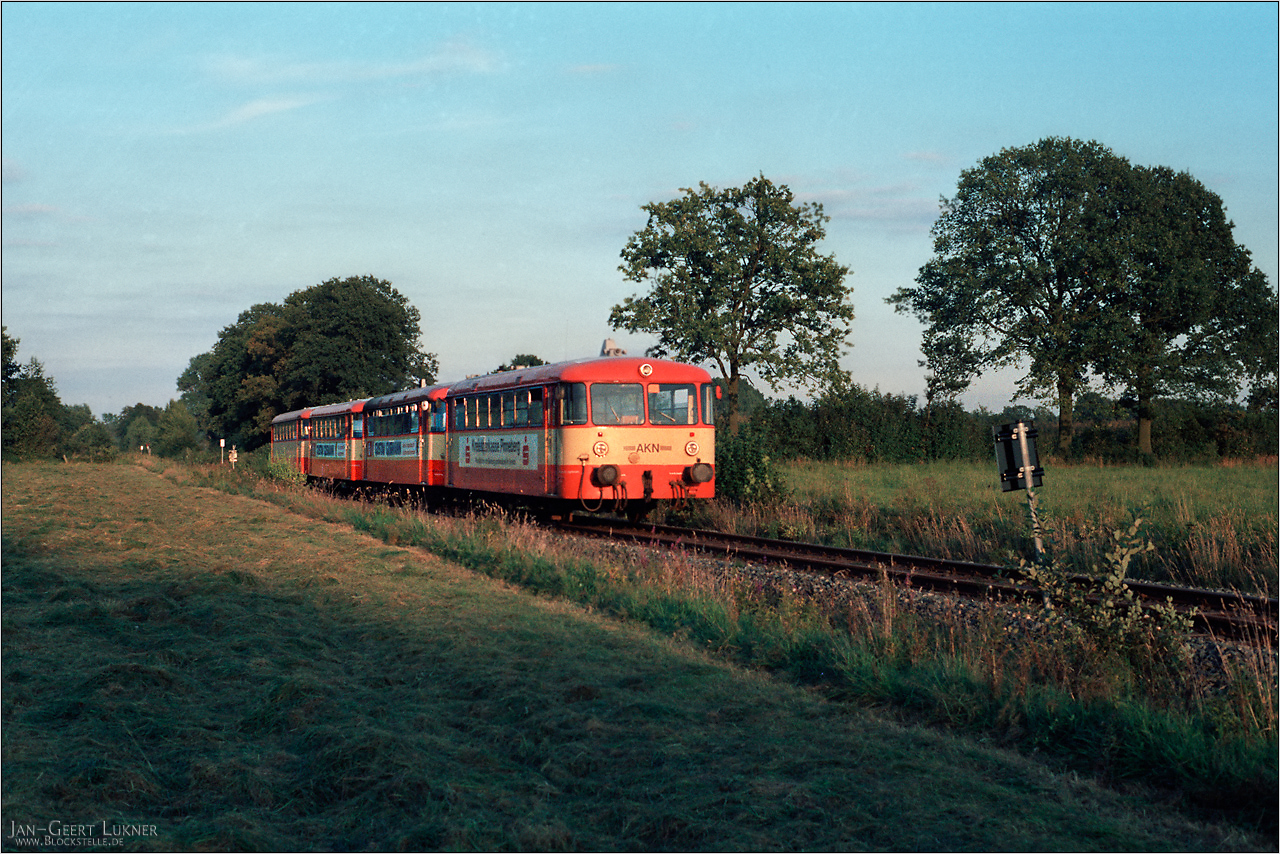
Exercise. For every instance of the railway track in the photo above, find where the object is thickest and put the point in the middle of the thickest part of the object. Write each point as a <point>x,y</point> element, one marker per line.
<point>1224,615</point>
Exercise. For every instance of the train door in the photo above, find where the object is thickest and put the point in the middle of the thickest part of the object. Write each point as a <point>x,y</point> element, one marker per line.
<point>550,452</point>
<point>457,422</point>
<point>304,446</point>
<point>357,447</point>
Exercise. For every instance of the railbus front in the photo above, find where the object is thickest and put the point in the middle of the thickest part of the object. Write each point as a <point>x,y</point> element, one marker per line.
<point>603,433</point>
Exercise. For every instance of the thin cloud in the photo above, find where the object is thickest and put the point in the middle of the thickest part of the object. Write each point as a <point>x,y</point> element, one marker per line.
<point>450,58</point>
<point>253,110</point>
<point>32,210</point>
<point>933,158</point>
<point>900,207</point>
<point>260,107</point>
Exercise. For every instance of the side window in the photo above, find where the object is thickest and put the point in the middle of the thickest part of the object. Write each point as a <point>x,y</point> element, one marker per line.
<point>437,416</point>
<point>571,400</point>
<point>357,427</point>
<point>535,407</point>
<point>509,409</point>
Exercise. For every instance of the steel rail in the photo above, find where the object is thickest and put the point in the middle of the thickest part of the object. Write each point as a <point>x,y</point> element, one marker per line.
<point>1222,614</point>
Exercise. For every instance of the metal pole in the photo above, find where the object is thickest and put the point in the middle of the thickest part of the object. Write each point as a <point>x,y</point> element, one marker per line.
<point>1026,470</point>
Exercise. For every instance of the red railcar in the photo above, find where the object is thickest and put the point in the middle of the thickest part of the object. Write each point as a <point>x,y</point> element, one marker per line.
<point>614,429</point>
<point>406,437</point>
<point>335,442</point>
<point>289,438</point>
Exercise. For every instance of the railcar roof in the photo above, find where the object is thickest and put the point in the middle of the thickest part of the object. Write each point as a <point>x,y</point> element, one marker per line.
<point>343,408</point>
<point>292,416</point>
<point>413,395</point>
<point>600,369</point>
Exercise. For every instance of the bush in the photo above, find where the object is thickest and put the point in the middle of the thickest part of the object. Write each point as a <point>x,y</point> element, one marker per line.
<point>744,470</point>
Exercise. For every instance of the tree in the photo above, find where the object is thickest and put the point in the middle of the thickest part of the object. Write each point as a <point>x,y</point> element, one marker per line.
<point>1192,315</point>
<point>177,431</point>
<point>135,425</point>
<point>33,413</point>
<point>520,360</point>
<point>735,279</point>
<point>1023,257</point>
<point>339,340</point>
<point>350,338</point>
<point>237,381</point>
<point>1066,256</point>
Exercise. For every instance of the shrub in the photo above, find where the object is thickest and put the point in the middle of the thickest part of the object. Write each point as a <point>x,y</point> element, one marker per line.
<point>745,472</point>
<point>1102,620</point>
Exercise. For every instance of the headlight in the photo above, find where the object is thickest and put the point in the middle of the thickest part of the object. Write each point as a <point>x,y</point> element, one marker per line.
<point>698,473</point>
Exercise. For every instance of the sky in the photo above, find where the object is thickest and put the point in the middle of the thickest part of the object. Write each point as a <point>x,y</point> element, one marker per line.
<point>168,166</point>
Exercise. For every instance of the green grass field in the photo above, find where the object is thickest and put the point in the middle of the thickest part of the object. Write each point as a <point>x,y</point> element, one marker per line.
<point>243,677</point>
<point>1213,526</point>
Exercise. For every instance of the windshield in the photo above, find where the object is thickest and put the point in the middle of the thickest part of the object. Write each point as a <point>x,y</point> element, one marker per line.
<point>617,403</point>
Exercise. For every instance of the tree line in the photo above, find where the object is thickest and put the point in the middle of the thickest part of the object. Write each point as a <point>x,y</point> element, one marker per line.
<point>38,425</point>
<point>1093,274</point>
<point>856,424</point>
<point>343,339</point>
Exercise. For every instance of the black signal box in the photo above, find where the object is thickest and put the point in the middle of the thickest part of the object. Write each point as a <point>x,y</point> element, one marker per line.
<point>1016,456</point>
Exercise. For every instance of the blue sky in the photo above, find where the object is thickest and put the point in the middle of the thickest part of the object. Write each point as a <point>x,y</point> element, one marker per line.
<point>168,166</point>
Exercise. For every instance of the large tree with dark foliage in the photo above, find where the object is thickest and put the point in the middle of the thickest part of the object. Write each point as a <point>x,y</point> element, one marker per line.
<point>339,340</point>
<point>1191,316</point>
<point>736,280</point>
<point>1063,257</point>
<point>1022,257</point>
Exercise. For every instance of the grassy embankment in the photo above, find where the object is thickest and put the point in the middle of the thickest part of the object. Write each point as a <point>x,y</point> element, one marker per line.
<point>250,678</point>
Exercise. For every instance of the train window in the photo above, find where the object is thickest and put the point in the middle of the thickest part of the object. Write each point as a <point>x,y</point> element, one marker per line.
<point>357,427</point>
<point>571,400</point>
<point>459,415</point>
<point>509,409</point>
<point>617,403</point>
<point>709,403</point>
<point>529,407</point>
<point>535,407</point>
<point>672,403</point>
<point>437,416</point>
